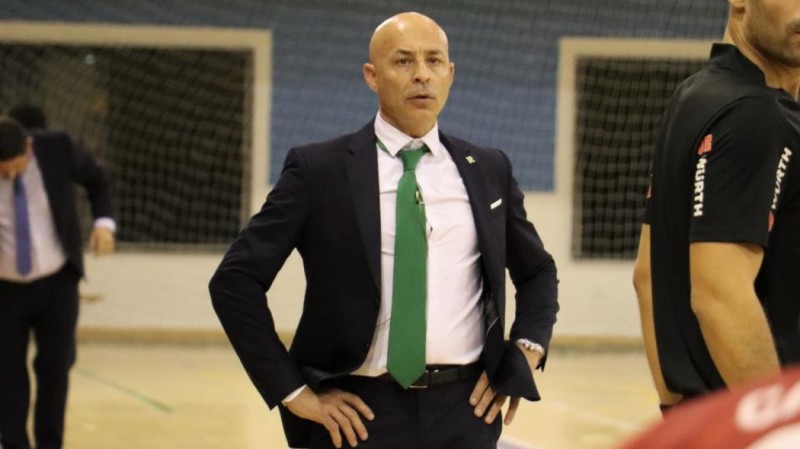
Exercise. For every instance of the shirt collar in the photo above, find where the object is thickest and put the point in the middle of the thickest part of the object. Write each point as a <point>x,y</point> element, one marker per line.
<point>730,57</point>
<point>394,139</point>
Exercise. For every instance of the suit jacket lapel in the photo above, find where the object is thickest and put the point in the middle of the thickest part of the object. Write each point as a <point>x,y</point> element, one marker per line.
<point>471,171</point>
<point>361,162</point>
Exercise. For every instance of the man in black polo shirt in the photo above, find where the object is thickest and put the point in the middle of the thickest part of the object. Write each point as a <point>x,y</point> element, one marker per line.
<point>719,295</point>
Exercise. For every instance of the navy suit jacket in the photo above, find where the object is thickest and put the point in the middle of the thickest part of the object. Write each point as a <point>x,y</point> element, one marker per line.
<point>63,164</point>
<point>326,205</point>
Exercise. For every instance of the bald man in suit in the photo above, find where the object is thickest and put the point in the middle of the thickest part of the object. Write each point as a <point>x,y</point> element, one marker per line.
<point>360,371</point>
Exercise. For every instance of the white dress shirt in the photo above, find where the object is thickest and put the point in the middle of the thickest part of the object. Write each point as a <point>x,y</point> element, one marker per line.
<point>47,254</point>
<point>454,322</point>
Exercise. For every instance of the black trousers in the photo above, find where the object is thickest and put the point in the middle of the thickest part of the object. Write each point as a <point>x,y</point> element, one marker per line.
<point>434,418</point>
<point>49,308</point>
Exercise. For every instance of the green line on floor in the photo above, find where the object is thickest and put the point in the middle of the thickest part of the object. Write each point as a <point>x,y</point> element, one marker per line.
<point>133,393</point>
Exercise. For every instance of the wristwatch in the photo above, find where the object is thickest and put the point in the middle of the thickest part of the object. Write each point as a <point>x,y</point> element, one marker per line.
<point>530,346</point>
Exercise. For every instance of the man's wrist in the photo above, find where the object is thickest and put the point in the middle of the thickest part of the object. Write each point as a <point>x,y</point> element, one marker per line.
<point>292,395</point>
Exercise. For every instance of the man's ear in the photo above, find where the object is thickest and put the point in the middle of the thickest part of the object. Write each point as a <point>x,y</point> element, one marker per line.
<point>370,77</point>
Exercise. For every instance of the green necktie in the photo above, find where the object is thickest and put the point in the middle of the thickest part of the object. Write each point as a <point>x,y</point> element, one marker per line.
<point>406,357</point>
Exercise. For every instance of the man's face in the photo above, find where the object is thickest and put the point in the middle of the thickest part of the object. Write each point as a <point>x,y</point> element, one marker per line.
<point>773,28</point>
<point>10,168</point>
<point>411,72</point>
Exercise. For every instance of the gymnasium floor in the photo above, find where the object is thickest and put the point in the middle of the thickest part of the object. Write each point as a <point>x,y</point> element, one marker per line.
<point>134,396</point>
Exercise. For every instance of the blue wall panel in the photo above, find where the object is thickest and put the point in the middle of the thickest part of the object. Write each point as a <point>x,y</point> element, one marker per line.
<point>506,55</point>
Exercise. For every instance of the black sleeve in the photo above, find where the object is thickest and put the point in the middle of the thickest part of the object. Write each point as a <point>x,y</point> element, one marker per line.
<point>534,275</point>
<point>648,208</point>
<point>247,271</point>
<point>734,175</point>
<point>85,171</point>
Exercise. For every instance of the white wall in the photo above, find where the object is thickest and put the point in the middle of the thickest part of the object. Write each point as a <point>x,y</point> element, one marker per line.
<point>141,291</point>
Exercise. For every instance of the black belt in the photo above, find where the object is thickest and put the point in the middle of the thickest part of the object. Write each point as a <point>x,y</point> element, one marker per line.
<point>440,375</point>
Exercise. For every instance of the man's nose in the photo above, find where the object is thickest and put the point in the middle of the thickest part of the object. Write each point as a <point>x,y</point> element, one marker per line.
<point>422,72</point>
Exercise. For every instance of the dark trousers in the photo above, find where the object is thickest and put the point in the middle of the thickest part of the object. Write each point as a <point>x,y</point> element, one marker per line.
<point>435,418</point>
<point>49,308</point>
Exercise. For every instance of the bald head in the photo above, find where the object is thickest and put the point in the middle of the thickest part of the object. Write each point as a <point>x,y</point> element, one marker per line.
<point>406,23</point>
<point>409,68</point>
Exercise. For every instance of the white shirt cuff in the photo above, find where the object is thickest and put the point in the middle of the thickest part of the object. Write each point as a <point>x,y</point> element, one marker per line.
<point>292,395</point>
<point>107,223</point>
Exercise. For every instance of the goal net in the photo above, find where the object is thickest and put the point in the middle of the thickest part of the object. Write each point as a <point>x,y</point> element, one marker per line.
<point>170,125</point>
<point>620,106</point>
